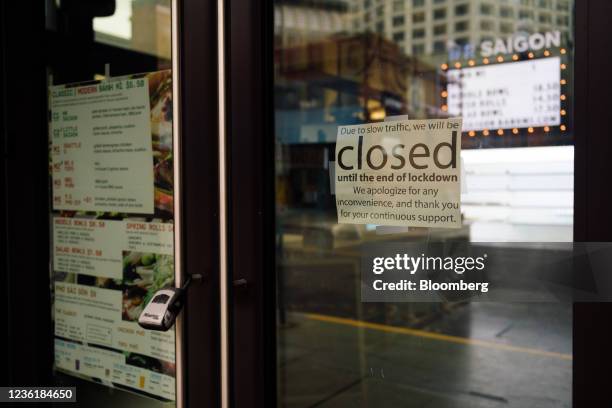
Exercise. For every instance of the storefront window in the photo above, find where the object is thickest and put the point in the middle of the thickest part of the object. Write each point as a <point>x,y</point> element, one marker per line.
<point>511,83</point>
<point>111,173</point>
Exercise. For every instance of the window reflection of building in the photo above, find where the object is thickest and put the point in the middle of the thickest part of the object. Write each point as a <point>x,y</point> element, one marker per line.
<point>148,14</point>
<point>336,75</point>
<point>333,76</point>
<point>138,25</point>
<point>432,27</point>
<point>351,72</point>
<point>351,79</point>
<point>342,79</point>
<point>300,22</point>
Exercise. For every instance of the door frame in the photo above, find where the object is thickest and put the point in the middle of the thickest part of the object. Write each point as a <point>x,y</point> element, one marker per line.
<point>249,38</point>
<point>28,358</point>
<point>592,193</point>
<point>593,56</point>
<point>197,41</point>
<point>26,307</point>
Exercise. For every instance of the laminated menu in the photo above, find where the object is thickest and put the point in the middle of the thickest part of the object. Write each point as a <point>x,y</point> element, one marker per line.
<point>101,150</point>
<point>112,176</point>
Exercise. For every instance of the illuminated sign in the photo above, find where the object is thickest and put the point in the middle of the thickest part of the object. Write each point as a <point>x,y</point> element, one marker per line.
<point>519,94</point>
<point>521,43</point>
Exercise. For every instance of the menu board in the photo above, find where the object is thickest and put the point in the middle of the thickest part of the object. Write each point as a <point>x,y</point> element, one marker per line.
<point>508,95</point>
<point>101,147</point>
<point>111,171</point>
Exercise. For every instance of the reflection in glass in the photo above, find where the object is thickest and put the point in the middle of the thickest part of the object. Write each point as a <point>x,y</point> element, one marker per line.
<point>139,25</point>
<point>111,182</point>
<point>353,64</point>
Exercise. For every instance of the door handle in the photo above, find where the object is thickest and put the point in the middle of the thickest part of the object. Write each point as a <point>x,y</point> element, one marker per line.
<point>240,283</point>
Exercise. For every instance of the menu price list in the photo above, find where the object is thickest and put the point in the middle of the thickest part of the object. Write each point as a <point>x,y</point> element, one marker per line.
<point>101,147</point>
<point>509,95</point>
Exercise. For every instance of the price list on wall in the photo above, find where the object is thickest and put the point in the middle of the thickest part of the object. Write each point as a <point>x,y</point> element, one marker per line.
<point>101,150</point>
<point>112,238</point>
<point>509,95</point>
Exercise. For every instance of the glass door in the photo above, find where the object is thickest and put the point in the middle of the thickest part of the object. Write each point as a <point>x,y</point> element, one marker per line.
<point>503,67</point>
<point>110,193</point>
<point>113,163</point>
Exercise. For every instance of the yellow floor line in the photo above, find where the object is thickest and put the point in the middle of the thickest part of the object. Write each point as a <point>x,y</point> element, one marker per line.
<point>435,336</point>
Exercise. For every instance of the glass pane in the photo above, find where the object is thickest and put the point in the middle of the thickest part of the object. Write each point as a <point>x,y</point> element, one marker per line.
<point>111,187</point>
<point>505,68</point>
<point>139,25</point>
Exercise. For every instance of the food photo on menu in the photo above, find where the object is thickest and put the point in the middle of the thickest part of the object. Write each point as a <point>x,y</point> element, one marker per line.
<point>143,275</point>
<point>160,96</point>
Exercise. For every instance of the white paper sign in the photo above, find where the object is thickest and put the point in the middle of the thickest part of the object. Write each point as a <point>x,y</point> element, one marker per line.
<point>101,149</point>
<point>403,173</point>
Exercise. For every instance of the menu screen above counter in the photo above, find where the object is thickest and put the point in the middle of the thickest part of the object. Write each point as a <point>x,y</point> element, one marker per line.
<point>508,95</point>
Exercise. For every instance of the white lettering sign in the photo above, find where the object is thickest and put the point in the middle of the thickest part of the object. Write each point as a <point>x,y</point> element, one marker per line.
<point>520,43</point>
